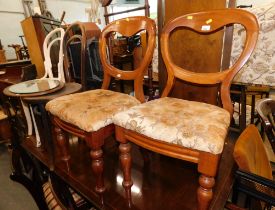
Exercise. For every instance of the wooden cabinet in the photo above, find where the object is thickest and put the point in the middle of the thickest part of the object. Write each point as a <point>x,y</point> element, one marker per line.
<point>189,50</point>
<point>35,30</point>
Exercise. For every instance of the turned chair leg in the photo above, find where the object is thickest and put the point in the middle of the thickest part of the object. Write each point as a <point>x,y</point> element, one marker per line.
<point>62,143</point>
<point>97,168</point>
<point>207,167</point>
<point>126,162</point>
<point>205,192</point>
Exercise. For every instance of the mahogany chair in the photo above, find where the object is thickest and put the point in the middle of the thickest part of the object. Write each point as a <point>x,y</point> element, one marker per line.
<point>88,115</point>
<point>183,129</point>
<point>266,111</point>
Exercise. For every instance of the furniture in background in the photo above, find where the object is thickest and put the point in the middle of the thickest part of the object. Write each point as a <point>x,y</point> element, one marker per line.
<point>256,78</point>
<point>201,128</point>
<point>88,115</point>
<point>81,60</point>
<point>254,177</point>
<point>35,30</point>
<point>36,182</point>
<point>266,110</point>
<point>15,71</point>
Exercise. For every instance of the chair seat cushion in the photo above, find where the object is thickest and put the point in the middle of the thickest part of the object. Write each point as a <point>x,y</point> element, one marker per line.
<point>90,110</point>
<point>190,124</point>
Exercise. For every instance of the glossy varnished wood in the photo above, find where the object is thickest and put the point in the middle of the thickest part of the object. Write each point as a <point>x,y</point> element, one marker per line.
<point>192,47</point>
<point>163,183</point>
<point>128,27</point>
<point>95,140</point>
<point>217,19</point>
<point>203,23</point>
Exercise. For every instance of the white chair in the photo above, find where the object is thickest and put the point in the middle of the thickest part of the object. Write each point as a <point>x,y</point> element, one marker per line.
<point>54,36</point>
<point>48,43</point>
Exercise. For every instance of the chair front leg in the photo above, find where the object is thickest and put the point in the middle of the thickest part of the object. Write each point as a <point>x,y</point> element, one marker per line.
<point>96,155</point>
<point>205,192</point>
<point>62,143</point>
<point>126,162</point>
<point>207,166</point>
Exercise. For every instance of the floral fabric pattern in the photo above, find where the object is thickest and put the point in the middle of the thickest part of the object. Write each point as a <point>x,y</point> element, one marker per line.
<point>190,124</point>
<point>90,110</point>
<point>260,67</point>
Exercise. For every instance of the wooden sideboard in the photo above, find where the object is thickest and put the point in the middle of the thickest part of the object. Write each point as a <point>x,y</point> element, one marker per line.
<point>35,30</point>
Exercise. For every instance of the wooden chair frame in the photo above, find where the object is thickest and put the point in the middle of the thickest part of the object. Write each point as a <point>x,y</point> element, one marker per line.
<point>95,140</point>
<point>207,162</point>
<point>266,108</point>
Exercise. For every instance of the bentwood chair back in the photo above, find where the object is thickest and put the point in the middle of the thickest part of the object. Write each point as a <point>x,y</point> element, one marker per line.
<point>47,46</point>
<point>183,129</point>
<point>266,111</point>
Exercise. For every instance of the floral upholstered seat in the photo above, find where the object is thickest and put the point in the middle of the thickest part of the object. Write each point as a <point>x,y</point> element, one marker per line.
<point>190,124</point>
<point>90,110</point>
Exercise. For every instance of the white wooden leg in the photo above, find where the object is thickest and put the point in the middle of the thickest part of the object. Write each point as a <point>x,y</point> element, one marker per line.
<point>37,136</point>
<point>28,117</point>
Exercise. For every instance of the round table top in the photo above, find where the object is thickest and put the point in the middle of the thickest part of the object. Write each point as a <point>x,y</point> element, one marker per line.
<point>68,88</point>
<point>35,87</point>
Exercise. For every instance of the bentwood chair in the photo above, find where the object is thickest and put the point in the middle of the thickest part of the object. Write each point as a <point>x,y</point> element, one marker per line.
<point>254,177</point>
<point>266,110</point>
<point>50,39</point>
<point>88,115</point>
<point>183,129</point>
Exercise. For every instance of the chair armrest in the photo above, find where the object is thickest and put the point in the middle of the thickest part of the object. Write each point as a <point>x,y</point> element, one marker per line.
<point>256,186</point>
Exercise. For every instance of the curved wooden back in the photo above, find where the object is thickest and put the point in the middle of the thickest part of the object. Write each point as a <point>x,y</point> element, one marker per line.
<point>128,27</point>
<point>47,45</point>
<point>266,110</point>
<point>204,23</point>
<point>250,154</point>
<point>70,37</point>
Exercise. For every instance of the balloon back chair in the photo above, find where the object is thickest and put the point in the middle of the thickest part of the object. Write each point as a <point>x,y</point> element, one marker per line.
<point>88,115</point>
<point>183,129</point>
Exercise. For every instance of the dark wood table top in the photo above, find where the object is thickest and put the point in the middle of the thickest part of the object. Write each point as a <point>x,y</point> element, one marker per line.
<point>13,63</point>
<point>165,183</point>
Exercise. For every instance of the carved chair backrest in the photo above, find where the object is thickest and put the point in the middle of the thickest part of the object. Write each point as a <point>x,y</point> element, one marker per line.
<point>47,46</point>
<point>204,23</point>
<point>266,110</point>
<point>128,27</point>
